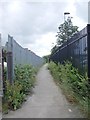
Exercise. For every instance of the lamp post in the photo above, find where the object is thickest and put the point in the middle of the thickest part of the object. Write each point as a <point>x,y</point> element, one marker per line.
<point>66,13</point>
<point>89,12</point>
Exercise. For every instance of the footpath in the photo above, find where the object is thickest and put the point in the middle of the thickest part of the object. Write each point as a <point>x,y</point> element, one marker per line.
<point>47,101</point>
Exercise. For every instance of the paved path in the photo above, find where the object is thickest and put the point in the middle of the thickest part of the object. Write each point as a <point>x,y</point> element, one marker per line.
<point>46,102</point>
<point>0,115</point>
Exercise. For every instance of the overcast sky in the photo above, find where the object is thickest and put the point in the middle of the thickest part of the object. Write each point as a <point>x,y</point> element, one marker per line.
<point>35,24</point>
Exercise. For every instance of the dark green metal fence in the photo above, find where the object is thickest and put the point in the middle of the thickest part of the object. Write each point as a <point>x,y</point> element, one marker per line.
<point>76,50</point>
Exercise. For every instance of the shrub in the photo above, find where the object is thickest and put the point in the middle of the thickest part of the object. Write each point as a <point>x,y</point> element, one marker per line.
<point>25,76</point>
<point>72,82</point>
<point>23,82</point>
<point>13,95</point>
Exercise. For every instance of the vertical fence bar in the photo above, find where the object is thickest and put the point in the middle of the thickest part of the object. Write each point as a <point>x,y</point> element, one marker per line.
<point>2,69</point>
<point>1,87</point>
<point>0,63</point>
<point>1,84</point>
<point>10,67</point>
<point>88,47</point>
<point>88,43</point>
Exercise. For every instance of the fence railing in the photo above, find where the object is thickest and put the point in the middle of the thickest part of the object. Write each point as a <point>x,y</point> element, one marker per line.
<point>76,50</point>
<point>17,55</point>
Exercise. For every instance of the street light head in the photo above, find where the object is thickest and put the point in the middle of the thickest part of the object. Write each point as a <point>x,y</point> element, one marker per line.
<point>66,13</point>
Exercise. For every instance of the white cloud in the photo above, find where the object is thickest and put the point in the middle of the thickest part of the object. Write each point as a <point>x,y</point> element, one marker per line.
<point>34,24</point>
<point>43,44</point>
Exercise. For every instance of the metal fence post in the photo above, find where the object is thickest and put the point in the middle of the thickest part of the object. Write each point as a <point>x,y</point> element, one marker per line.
<point>1,83</point>
<point>10,67</point>
<point>88,43</point>
<point>2,70</point>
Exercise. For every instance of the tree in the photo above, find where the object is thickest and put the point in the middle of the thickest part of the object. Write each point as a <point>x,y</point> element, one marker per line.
<point>66,31</point>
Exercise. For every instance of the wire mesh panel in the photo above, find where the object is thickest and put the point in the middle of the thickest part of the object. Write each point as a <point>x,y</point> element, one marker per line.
<point>75,50</point>
<point>17,55</point>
